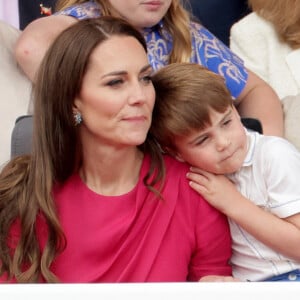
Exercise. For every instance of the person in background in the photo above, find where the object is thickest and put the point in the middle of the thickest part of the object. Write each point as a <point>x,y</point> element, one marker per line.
<point>96,201</point>
<point>268,40</point>
<point>251,178</point>
<point>219,15</point>
<point>171,37</point>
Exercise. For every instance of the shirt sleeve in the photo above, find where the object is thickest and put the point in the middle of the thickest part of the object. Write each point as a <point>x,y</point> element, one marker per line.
<point>213,54</point>
<point>86,10</point>
<point>213,243</point>
<point>281,172</point>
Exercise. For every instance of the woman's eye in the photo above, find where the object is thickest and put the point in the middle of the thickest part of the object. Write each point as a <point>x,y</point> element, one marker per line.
<point>147,79</point>
<point>115,82</point>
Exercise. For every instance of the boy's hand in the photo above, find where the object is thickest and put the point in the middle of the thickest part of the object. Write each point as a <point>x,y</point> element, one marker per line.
<point>218,190</point>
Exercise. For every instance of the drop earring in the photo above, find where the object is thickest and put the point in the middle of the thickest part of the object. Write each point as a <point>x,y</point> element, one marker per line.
<point>77,118</point>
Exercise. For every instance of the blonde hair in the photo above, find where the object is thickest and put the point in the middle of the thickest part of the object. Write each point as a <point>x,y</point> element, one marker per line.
<point>185,95</point>
<point>284,15</point>
<point>176,22</point>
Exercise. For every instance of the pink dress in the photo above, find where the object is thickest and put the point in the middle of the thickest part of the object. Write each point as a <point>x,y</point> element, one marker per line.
<point>137,237</point>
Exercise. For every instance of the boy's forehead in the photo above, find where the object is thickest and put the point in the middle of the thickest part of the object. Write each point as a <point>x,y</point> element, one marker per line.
<point>189,135</point>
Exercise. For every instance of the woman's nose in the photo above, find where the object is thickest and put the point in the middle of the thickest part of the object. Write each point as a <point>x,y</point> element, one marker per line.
<point>137,94</point>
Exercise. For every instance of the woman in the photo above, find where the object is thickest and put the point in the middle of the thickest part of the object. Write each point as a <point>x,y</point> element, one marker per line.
<point>268,40</point>
<point>96,201</point>
<point>171,37</point>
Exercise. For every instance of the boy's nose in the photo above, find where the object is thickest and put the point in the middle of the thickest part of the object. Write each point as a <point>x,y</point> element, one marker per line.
<point>222,143</point>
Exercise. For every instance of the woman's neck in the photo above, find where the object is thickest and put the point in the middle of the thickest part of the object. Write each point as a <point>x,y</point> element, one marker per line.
<point>112,174</point>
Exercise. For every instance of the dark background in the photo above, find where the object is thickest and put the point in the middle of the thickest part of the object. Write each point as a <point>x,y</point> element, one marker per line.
<point>29,10</point>
<point>219,15</point>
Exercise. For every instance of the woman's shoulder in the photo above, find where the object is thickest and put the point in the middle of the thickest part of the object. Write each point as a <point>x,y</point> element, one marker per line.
<point>173,165</point>
<point>189,203</point>
<point>85,10</point>
<point>175,175</point>
<point>176,179</point>
<point>197,29</point>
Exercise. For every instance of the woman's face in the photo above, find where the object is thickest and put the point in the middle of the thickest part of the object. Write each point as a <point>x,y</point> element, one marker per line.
<point>141,13</point>
<point>117,96</point>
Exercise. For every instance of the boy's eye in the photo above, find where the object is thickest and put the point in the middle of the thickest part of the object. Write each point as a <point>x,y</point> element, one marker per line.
<point>201,141</point>
<point>227,122</point>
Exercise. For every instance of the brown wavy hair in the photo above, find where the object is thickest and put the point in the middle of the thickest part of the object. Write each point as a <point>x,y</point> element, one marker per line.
<point>185,95</point>
<point>284,15</point>
<point>26,182</point>
<point>176,22</point>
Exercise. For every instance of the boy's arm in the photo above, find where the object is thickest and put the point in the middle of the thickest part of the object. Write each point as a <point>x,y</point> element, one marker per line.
<point>221,193</point>
<point>35,40</point>
<point>258,100</point>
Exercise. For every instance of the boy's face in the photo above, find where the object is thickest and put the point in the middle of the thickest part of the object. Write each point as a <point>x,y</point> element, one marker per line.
<point>220,148</point>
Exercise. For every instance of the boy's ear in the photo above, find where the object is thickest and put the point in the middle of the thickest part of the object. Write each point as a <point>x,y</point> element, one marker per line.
<point>174,153</point>
<point>179,157</point>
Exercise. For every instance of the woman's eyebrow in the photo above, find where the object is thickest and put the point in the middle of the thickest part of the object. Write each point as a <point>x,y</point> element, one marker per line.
<point>123,72</point>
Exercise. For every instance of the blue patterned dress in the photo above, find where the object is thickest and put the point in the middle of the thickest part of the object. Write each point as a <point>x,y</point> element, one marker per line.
<point>207,50</point>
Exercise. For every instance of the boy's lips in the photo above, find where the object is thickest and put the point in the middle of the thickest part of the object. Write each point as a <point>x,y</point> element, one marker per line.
<point>228,156</point>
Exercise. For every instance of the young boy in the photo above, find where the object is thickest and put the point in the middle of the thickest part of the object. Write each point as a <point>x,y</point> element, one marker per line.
<point>251,178</point>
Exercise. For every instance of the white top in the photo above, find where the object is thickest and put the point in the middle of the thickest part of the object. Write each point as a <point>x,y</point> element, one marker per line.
<point>256,42</point>
<point>269,177</point>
